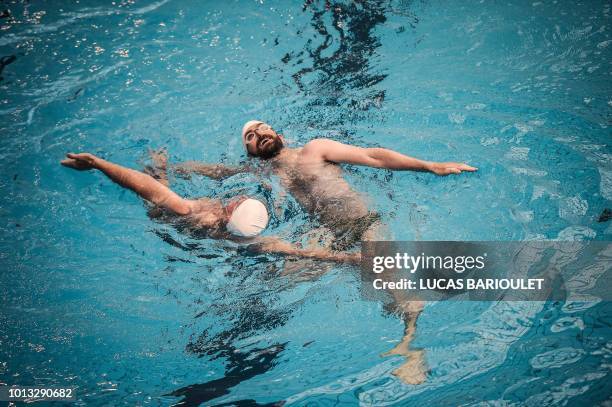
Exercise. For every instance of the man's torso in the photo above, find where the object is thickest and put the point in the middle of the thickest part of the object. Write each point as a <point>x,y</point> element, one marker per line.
<point>320,187</point>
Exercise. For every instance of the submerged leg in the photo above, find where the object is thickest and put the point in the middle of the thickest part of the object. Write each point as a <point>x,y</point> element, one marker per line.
<point>414,370</point>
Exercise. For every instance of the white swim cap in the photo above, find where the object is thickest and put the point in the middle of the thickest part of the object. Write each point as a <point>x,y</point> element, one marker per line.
<point>249,219</point>
<point>249,124</point>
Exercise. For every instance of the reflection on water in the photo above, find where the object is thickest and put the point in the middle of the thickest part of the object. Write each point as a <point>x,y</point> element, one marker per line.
<point>338,69</point>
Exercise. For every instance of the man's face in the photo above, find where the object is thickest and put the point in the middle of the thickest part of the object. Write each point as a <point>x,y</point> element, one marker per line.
<point>260,140</point>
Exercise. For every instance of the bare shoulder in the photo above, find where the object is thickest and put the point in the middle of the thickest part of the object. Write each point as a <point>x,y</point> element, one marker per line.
<point>317,147</point>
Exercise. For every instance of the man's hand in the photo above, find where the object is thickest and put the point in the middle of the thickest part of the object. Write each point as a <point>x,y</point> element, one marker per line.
<point>352,258</point>
<point>159,157</point>
<point>449,168</point>
<point>80,161</point>
<point>184,170</point>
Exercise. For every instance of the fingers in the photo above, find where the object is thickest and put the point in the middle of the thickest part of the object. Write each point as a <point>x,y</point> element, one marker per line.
<point>465,167</point>
<point>457,168</point>
<point>69,163</point>
<point>79,156</point>
<point>354,258</point>
<point>447,169</point>
<point>80,161</point>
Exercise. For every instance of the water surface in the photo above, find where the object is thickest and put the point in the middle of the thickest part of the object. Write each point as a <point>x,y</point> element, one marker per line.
<point>96,296</point>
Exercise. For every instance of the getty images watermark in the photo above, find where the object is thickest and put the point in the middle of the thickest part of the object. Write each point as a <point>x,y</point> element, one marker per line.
<point>489,271</point>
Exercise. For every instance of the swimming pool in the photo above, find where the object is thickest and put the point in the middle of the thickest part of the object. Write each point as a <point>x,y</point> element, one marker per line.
<point>98,297</point>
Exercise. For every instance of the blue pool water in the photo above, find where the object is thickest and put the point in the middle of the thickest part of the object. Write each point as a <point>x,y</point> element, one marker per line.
<point>96,296</point>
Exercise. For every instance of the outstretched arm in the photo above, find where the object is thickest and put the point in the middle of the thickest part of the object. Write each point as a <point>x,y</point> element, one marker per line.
<point>336,152</point>
<point>214,171</point>
<point>274,245</point>
<point>144,185</point>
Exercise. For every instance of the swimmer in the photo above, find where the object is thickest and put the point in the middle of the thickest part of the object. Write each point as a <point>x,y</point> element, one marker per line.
<point>241,220</point>
<point>312,175</point>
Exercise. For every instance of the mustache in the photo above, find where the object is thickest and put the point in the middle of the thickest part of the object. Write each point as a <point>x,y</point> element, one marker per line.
<point>263,138</point>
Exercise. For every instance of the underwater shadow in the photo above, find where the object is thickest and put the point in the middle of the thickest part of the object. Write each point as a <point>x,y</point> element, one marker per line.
<point>242,366</point>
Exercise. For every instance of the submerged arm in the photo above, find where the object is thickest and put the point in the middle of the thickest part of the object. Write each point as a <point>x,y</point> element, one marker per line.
<point>144,185</point>
<point>336,152</point>
<point>213,171</point>
<point>274,245</point>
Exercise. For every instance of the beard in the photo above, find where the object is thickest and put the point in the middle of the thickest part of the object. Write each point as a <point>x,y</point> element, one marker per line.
<point>271,148</point>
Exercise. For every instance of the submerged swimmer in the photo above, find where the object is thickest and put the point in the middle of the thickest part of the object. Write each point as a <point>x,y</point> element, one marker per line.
<point>312,175</point>
<point>242,219</point>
